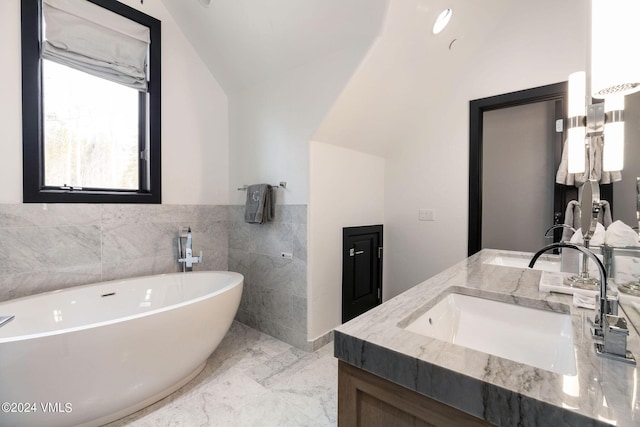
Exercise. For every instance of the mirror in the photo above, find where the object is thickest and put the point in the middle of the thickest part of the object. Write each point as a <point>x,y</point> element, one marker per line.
<point>517,172</point>
<point>622,195</point>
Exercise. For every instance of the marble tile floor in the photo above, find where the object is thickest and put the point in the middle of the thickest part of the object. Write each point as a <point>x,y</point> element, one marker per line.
<point>251,379</point>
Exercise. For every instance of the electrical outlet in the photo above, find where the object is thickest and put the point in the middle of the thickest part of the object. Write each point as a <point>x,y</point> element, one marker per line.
<point>286,255</point>
<point>426,214</point>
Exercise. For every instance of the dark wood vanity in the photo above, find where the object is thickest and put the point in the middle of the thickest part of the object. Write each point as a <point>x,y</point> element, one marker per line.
<point>365,399</point>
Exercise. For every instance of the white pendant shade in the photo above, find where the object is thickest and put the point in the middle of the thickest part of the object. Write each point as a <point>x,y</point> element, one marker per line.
<point>615,72</point>
<point>615,63</point>
<point>613,150</point>
<point>576,150</point>
<point>575,135</point>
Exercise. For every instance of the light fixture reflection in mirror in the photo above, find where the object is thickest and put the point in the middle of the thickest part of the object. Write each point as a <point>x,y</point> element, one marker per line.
<point>615,72</point>
<point>576,129</point>
<point>615,68</point>
<point>613,149</point>
<point>604,121</point>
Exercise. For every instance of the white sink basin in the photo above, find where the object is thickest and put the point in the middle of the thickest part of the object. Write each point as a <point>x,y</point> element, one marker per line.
<point>539,338</point>
<point>544,263</point>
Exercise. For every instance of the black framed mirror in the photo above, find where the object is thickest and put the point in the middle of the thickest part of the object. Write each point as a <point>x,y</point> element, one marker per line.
<point>556,94</point>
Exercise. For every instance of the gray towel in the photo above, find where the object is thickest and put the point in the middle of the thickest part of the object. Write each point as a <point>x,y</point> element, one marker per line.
<point>593,158</point>
<point>604,217</point>
<point>572,219</point>
<point>259,207</point>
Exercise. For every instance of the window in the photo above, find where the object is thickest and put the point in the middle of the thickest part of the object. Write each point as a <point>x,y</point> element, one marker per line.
<point>91,102</point>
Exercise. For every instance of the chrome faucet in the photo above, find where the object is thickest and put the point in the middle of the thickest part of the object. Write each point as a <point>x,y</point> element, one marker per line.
<point>553,227</point>
<point>603,306</point>
<point>185,257</point>
<point>608,328</point>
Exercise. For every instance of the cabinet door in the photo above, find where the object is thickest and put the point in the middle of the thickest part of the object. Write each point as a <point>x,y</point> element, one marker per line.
<point>361,270</point>
<point>365,399</point>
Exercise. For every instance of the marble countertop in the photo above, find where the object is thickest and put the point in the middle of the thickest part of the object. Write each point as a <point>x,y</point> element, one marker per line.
<point>501,391</point>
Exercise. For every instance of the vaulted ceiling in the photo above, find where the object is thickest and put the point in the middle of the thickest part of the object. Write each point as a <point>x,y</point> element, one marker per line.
<point>407,71</point>
<point>246,41</point>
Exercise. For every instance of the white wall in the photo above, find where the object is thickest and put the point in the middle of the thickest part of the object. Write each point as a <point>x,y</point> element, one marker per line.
<point>194,115</point>
<point>247,41</point>
<point>346,189</point>
<point>409,102</point>
<point>10,103</point>
<point>271,123</point>
<point>531,47</point>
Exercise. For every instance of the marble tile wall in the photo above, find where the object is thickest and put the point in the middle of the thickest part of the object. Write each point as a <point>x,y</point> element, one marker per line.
<point>52,246</point>
<point>274,298</point>
<point>45,247</point>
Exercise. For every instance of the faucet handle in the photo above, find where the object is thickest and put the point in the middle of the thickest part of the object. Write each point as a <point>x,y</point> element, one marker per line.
<point>614,345</point>
<point>617,325</point>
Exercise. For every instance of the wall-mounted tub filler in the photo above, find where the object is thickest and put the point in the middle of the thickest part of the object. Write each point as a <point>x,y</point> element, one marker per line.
<point>5,319</point>
<point>185,250</point>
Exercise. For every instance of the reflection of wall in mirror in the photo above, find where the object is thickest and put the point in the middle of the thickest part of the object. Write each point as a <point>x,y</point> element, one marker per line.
<point>625,192</point>
<point>517,176</point>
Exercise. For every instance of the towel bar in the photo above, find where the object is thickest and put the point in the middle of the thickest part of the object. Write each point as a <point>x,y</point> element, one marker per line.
<point>282,184</point>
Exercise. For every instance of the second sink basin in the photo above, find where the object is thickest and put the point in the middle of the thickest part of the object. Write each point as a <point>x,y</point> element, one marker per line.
<point>520,260</point>
<point>539,338</point>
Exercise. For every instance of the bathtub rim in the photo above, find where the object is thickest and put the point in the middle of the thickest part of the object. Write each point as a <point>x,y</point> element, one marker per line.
<point>239,281</point>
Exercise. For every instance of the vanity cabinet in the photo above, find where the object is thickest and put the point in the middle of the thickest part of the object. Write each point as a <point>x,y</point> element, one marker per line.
<point>367,400</point>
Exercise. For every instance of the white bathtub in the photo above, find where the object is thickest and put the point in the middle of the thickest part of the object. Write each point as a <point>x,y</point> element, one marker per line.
<point>92,354</point>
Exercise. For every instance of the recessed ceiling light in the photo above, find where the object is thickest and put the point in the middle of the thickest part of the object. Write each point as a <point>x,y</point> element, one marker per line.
<point>205,3</point>
<point>442,20</point>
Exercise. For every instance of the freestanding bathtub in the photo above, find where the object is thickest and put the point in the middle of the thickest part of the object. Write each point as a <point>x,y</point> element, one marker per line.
<point>92,354</point>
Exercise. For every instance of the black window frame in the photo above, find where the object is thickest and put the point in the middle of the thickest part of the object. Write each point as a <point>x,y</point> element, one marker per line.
<point>149,108</point>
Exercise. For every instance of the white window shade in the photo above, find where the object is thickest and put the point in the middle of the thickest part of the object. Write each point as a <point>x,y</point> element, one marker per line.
<point>89,38</point>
